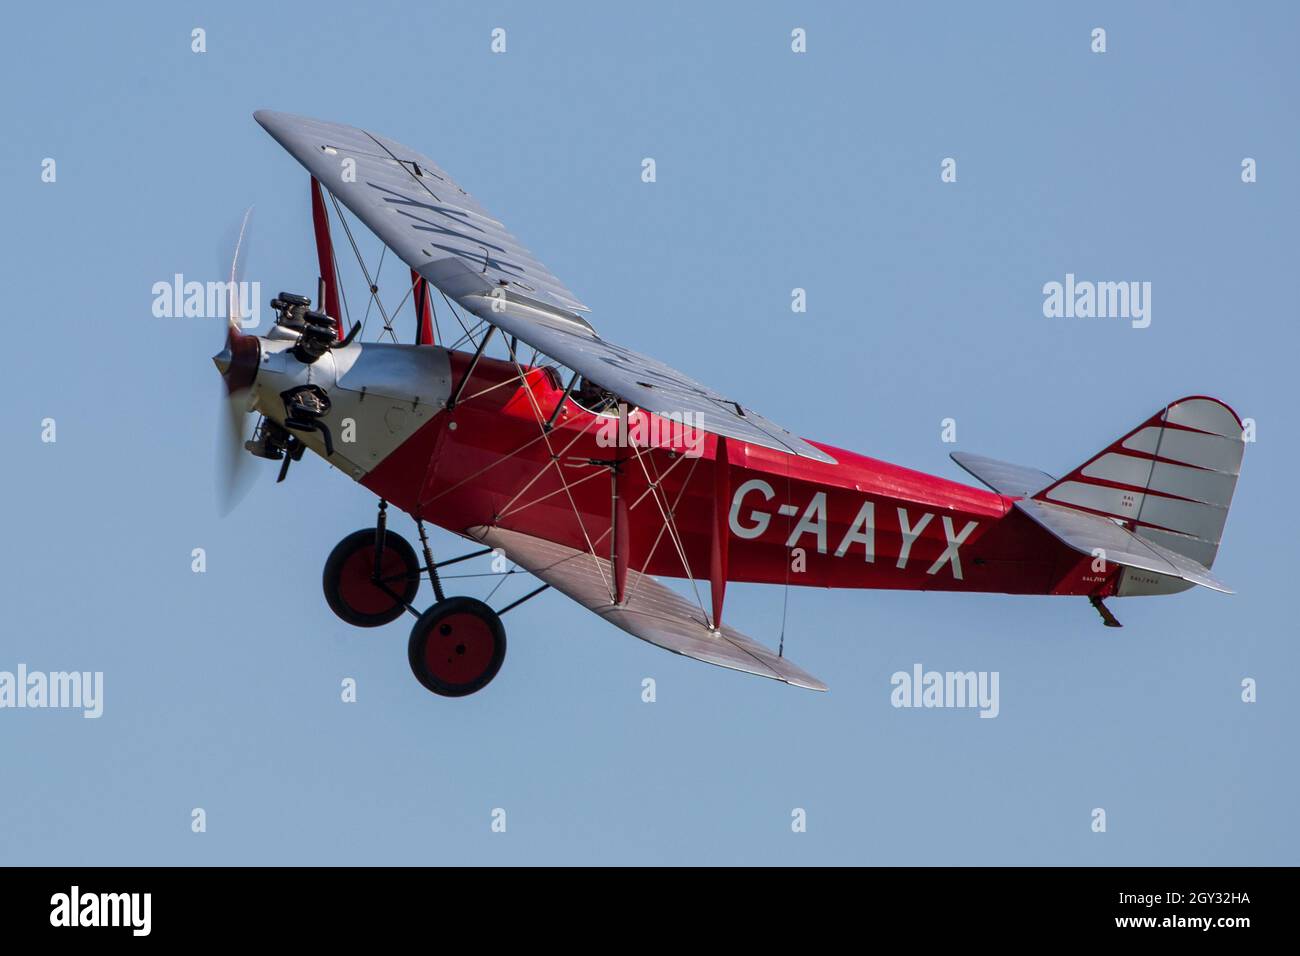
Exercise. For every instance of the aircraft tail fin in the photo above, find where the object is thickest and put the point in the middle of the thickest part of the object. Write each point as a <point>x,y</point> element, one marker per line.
<point>1156,500</point>
<point>1169,481</point>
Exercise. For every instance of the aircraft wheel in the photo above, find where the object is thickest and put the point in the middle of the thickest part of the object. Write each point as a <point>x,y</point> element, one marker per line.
<point>348,580</point>
<point>457,647</point>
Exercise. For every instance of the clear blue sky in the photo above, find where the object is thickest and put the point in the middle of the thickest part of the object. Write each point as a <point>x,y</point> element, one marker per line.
<point>774,171</point>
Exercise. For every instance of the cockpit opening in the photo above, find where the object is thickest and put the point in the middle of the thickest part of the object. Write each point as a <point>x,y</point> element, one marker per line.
<point>595,398</point>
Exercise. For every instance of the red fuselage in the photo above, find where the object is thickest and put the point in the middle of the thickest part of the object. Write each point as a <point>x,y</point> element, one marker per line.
<point>859,523</point>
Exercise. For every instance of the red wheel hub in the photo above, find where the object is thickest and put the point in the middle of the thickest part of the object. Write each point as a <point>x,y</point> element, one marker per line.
<point>359,592</point>
<point>459,648</point>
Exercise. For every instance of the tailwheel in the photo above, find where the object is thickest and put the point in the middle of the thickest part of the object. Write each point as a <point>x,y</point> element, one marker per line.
<point>457,647</point>
<point>366,593</point>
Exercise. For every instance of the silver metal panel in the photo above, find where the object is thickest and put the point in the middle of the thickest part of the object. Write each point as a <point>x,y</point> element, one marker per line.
<point>652,611</point>
<point>1204,451</point>
<point>1188,568</point>
<point>1003,477</point>
<point>1186,517</point>
<point>1144,440</point>
<point>1192,448</point>
<point>1086,533</point>
<point>1199,484</point>
<point>1205,414</point>
<point>1125,469</point>
<point>1202,552</point>
<point>406,372</point>
<point>1135,582</point>
<point>381,418</point>
<point>1113,501</point>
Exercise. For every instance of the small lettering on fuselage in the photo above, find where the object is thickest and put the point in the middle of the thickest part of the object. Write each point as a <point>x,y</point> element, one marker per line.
<point>747,520</point>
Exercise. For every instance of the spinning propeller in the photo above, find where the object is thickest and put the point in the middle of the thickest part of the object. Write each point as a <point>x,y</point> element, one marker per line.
<point>237,362</point>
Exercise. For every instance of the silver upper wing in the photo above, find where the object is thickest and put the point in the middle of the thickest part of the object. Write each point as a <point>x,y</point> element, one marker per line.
<point>442,233</point>
<point>651,611</point>
<point>417,210</point>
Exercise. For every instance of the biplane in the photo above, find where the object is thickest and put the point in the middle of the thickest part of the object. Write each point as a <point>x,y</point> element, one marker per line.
<point>599,470</point>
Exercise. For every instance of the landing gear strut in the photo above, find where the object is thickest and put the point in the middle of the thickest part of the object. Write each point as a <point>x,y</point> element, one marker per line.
<point>371,577</point>
<point>456,646</point>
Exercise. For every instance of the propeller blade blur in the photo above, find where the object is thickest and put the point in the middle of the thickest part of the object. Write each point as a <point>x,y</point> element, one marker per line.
<point>235,467</point>
<point>237,362</point>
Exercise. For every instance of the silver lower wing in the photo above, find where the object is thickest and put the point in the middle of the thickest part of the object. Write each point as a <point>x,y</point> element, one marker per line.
<point>651,610</point>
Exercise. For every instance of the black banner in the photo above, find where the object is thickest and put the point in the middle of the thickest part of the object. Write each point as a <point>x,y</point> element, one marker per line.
<point>331,905</point>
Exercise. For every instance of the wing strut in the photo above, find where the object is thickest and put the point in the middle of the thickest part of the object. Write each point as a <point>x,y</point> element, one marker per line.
<point>423,310</point>
<point>325,256</point>
<point>620,544</point>
<point>720,539</point>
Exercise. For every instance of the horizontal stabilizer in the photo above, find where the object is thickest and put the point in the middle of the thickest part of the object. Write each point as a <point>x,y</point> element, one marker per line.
<point>1014,481</point>
<point>1089,533</point>
<point>651,610</point>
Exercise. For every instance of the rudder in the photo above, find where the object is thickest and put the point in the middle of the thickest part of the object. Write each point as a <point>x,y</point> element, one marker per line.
<point>1170,480</point>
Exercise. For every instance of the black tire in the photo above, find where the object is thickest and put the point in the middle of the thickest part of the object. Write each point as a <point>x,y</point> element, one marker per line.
<point>457,647</point>
<point>348,579</point>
